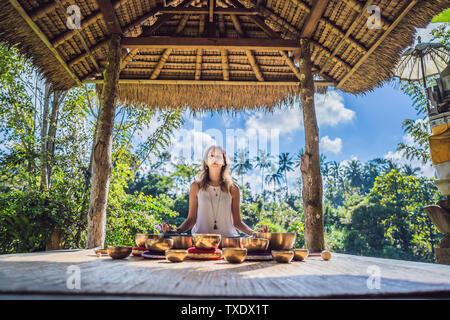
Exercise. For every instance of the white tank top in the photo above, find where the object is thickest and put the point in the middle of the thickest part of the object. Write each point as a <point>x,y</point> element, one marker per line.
<point>205,215</point>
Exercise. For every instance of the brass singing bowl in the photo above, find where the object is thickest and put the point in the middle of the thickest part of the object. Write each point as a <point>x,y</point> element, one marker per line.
<point>283,256</point>
<point>159,244</point>
<point>118,252</point>
<point>234,255</point>
<point>278,240</point>
<point>300,254</point>
<point>206,241</point>
<point>140,238</point>
<point>176,255</point>
<point>255,244</point>
<point>181,242</point>
<point>231,243</point>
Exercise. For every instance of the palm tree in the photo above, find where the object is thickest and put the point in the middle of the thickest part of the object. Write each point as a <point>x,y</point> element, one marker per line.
<point>298,157</point>
<point>275,177</point>
<point>262,162</point>
<point>353,171</point>
<point>285,164</point>
<point>242,164</point>
<point>390,164</point>
<point>409,170</point>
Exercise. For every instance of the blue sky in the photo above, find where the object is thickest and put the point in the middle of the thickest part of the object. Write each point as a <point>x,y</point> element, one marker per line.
<point>360,127</point>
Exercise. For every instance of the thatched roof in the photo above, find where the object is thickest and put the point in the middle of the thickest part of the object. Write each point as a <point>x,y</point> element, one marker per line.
<point>345,53</point>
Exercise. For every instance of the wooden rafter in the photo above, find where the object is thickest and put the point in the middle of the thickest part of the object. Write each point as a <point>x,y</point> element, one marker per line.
<point>291,65</point>
<point>225,67</point>
<point>214,82</point>
<point>84,55</point>
<point>358,7</point>
<point>313,18</point>
<point>128,58</point>
<point>198,64</point>
<point>207,11</point>
<point>210,43</point>
<point>402,14</point>
<point>237,26</point>
<point>43,38</point>
<point>254,65</point>
<point>212,4</point>
<point>148,31</point>
<point>160,64</point>
<point>266,12</point>
<point>352,27</point>
<point>80,37</point>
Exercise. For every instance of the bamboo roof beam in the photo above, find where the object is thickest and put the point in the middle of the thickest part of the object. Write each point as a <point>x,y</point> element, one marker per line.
<point>209,43</point>
<point>237,26</point>
<point>212,4</point>
<point>254,65</point>
<point>377,43</point>
<point>266,12</point>
<point>358,7</point>
<point>225,67</point>
<point>313,19</point>
<point>160,64</point>
<point>207,11</point>
<point>291,65</point>
<point>347,34</point>
<point>44,39</point>
<point>212,82</point>
<point>127,59</point>
<point>198,64</point>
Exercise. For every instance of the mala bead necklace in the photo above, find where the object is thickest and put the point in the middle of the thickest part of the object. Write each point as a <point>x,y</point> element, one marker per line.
<point>212,207</point>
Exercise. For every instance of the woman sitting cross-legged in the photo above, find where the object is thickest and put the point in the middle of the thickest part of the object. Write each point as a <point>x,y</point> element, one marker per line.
<point>214,200</point>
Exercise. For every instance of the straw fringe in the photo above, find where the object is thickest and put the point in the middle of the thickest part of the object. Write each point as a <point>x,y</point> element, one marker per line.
<point>207,97</point>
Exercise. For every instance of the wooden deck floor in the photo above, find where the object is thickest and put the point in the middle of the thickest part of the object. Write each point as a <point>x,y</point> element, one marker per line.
<point>46,274</point>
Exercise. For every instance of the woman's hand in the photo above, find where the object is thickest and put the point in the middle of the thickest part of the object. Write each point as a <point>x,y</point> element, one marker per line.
<point>166,227</point>
<point>263,229</point>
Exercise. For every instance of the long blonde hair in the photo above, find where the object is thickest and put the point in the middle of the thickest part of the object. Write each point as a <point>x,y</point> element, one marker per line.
<point>226,181</point>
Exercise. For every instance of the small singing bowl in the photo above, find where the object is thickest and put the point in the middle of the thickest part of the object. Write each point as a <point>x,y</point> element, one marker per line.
<point>234,255</point>
<point>181,242</point>
<point>176,255</point>
<point>283,256</point>
<point>159,245</point>
<point>300,254</point>
<point>119,252</point>
<point>140,238</point>
<point>230,242</point>
<point>206,241</point>
<point>256,244</point>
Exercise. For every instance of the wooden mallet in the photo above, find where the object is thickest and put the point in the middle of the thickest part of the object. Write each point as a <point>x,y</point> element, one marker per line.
<point>325,255</point>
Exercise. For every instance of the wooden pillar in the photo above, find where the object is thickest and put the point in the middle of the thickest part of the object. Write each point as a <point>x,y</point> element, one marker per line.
<point>101,166</point>
<point>310,161</point>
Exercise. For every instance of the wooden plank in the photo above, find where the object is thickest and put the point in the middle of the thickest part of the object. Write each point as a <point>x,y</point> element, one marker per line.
<point>254,65</point>
<point>214,82</point>
<point>402,14</point>
<point>109,15</point>
<point>345,276</point>
<point>313,18</point>
<point>209,43</point>
<point>44,39</point>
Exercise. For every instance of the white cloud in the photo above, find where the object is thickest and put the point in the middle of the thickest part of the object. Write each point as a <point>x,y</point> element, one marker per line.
<point>331,110</point>
<point>328,145</point>
<point>427,169</point>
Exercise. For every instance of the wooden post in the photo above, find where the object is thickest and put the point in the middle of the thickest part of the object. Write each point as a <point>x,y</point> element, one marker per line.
<point>102,165</point>
<point>310,161</point>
